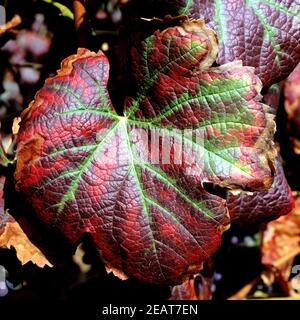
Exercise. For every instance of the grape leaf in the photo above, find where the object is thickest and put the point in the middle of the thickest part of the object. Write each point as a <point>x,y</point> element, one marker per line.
<point>86,169</point>
<point>262,33</point>
<point>263,206</point>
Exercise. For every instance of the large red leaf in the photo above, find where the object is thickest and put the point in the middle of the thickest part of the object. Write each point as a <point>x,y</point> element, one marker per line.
<point>263,206</point>
<point>262,33</point>
<point>86,169</point>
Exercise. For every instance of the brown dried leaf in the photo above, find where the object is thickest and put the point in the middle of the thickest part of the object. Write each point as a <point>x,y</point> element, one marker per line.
<point>281,241</point>
<point>13,236</point>
<point>16,125</point>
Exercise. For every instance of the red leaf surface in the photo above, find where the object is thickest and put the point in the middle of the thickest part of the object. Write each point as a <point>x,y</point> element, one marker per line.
<point>262,206</point>
<point>262,33</point>
<point>86,169</point>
